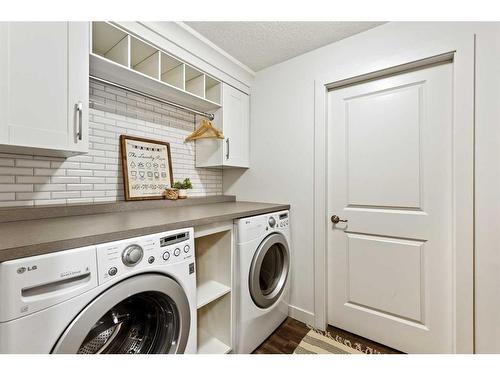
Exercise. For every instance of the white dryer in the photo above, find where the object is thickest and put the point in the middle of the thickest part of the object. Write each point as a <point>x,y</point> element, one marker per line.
<point>263,277</point>
<point>131,296</point>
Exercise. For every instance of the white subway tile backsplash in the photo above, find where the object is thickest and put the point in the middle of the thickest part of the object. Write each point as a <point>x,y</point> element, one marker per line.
<point>7,179</point>
<point>7,196</point>
<point>32,179</point>
<point>79,200</point>
<point>93,194</point>
<point>92,166</point>
<point>64,164</point>
<point>96,176</point>
<point>14,188</point>
<point>79,187</point>
<point>6,162</point>
<point>93,180</point>
<point>45,202</point>
<point>35,195</point>
<point>50,187</point>
<point>16,203</point>
<point>79,172</point>
<point>65,194</point>
<point>32,163</point>
<point>49,172</point>
<point>65,180</point>
<point>16,171</point>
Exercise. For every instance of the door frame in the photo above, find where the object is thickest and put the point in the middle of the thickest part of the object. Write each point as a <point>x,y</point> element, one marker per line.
<point>462,49</point>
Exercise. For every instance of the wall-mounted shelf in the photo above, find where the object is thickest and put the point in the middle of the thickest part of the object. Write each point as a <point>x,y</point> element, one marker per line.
<point>124,59</point>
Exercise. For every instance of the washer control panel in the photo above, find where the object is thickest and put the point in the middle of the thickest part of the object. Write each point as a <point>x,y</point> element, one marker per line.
<point>115,259</point>
<point>278,221</point>
<point>283,220</point>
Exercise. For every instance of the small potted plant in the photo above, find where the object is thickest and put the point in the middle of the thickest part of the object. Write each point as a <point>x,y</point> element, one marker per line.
<point>183,187</point>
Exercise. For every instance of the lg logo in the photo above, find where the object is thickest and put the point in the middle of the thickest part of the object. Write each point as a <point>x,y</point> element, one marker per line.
<point>21,270</point>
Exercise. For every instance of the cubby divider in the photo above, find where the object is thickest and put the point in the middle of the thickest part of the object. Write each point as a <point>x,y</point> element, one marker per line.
<point>195,81</point>
<point>144,58</point>
<point>213,89</point>
<point>172,71</point>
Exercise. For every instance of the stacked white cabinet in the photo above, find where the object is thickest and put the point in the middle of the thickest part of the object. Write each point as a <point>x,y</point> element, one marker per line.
<point>44,70</point>
<point>234,120</point>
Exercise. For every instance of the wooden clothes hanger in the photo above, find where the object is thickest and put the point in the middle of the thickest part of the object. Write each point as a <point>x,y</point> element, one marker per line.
<point>205,130</point>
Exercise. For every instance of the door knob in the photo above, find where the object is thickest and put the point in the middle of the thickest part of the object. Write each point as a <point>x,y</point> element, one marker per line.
<point>335,220</point>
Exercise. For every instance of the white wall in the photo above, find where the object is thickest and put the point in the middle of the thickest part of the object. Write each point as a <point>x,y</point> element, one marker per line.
<point>282,141</point>
<point>487,205</point>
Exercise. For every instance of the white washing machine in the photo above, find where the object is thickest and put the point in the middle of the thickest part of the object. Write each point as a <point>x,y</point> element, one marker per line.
<point>131,296</point>
<point>263,276</point>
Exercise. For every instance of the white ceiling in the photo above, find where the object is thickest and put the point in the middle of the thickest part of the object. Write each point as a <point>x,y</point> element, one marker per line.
<point>261,44</point>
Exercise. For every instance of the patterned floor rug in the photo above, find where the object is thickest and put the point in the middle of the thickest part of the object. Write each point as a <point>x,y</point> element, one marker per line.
<point>317,342</point>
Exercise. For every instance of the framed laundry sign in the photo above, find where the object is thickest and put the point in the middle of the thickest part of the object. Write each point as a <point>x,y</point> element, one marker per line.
<point>146,166</point>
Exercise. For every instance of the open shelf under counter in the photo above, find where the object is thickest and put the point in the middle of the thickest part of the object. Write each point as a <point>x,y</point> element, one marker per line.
<point>214,280</point>
<point>209,291</point>
<point>108,70</point>
<point>208,344</point>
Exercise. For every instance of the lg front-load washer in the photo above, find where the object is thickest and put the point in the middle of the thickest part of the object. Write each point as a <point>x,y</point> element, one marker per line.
<point>130,296</point>
<point>263,276</point>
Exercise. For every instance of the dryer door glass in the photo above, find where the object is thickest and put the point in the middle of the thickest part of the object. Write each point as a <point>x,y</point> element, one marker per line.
<point>142,315</point>
<point>269,270</point>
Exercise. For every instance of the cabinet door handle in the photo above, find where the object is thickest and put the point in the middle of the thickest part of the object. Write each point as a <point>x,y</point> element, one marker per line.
<point>227,148</point>
<point>79,114</point>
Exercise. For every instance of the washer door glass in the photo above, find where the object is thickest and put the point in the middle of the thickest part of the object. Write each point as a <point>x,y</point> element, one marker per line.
<point>141,315</point>
<point>269,270</point>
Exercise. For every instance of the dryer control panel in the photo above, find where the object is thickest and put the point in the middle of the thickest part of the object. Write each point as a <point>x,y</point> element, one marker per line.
<point>114,259</point>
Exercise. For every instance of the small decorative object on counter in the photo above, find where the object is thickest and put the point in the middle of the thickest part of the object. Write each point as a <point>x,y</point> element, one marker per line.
<point>172,194</point>
<point>183,187</point>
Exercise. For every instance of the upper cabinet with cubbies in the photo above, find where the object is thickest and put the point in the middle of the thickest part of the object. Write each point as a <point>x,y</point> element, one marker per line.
<point>122,58</point>
<point>127,60</point>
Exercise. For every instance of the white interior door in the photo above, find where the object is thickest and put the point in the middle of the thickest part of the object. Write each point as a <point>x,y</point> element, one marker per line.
<point>390,176</point>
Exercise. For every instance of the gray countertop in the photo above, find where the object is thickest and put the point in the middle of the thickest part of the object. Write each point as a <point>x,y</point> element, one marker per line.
<point>19,239</point>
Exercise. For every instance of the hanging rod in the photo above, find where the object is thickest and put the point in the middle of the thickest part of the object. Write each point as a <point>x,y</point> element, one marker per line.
<point>209,116</point>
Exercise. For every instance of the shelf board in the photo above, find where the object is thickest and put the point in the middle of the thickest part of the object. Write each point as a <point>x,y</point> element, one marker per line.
<point>111,71</point>
<point>208,344</point>
<point>209,291</point>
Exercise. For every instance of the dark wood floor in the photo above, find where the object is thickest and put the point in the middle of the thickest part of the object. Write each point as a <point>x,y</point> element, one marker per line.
<point>289,334</point>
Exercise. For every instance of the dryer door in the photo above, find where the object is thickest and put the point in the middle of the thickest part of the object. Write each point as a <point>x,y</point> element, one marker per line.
<point>269,270</point>
<point>148,313</point>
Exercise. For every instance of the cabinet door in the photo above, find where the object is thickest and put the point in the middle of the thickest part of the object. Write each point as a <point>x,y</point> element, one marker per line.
<point>44,76</point>
<point>236,125</point>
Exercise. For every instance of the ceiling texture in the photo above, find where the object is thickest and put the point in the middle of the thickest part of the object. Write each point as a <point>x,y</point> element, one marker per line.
<point>261,44</point>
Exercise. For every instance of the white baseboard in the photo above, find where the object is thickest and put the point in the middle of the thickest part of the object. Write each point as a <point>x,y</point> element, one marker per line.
<point>301,315</point>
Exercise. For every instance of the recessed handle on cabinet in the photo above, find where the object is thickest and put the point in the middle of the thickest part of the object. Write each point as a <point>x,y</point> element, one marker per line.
<point>335,220</point>
<point>227,148</point>
<point>79,114</point>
